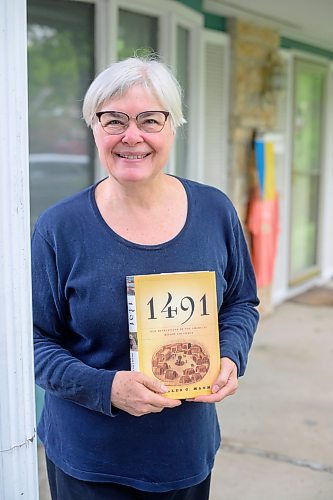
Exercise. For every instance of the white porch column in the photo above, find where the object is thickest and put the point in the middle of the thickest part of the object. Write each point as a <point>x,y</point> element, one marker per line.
<point>18,456</point>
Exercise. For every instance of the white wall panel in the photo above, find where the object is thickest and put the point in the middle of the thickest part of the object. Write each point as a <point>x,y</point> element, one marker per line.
<point>216,109</point>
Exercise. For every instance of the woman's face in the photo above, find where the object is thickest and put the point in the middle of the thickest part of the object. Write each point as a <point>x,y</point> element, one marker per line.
<point>134,155</point>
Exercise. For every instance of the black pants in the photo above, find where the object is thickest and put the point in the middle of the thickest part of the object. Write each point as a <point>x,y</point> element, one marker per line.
<point>64,487</point>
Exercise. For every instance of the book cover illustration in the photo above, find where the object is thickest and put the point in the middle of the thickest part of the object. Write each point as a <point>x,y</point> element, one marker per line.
<point>173,330</point>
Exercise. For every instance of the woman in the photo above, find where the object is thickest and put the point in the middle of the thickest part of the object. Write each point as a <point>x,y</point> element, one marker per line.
<point>109,432</point>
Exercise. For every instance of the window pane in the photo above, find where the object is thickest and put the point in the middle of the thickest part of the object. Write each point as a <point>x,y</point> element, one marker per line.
<point>305,223</point>
<point>60,68</point>
<point>306,167</point>
<point>183,38</point>
<point>136,31</point>
<point>310,81</point>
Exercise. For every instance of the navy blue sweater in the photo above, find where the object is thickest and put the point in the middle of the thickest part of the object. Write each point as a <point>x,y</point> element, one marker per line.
<point>81,339</point>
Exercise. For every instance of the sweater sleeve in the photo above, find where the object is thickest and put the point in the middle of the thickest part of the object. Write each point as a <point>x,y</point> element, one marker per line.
<point>238,316</point>
<point>56,369</point>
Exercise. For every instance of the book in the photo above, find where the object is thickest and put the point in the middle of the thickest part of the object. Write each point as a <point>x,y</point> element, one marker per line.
<point>173,330</point>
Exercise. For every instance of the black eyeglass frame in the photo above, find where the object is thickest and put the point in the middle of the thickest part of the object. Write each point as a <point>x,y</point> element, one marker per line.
<point>100,113</point>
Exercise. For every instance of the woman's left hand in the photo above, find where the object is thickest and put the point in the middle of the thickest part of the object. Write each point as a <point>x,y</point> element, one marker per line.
<point>225,385</point>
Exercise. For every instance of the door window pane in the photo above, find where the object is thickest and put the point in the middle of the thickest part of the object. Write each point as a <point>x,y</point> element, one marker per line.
<point>306,168</point>
<point>60,69</point>
<point>136,32</point>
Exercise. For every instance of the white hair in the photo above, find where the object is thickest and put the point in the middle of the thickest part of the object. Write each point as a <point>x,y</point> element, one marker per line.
<point>115,80</point>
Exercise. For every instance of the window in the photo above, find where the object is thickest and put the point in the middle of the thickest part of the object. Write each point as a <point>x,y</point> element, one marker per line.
<point>60,69</point>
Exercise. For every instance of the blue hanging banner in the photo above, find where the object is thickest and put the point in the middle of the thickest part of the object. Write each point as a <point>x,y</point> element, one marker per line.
<point>259,148</point>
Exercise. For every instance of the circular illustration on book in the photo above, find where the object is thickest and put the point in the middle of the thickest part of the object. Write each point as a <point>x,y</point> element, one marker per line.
<point>180,363</point>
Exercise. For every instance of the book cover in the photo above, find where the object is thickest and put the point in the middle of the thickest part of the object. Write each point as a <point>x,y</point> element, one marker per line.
<point>173,330</point>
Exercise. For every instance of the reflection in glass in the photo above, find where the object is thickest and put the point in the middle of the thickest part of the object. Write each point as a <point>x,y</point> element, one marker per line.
<point>60,69</point>
<point>137,34</point>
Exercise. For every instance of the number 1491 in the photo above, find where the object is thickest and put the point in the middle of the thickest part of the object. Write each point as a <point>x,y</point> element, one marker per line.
<point>171,309</point>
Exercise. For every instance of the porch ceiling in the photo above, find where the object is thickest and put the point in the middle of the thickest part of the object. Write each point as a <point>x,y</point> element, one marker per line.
<point>308,21</point>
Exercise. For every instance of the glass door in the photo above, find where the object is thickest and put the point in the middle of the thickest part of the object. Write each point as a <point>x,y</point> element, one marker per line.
<point>309,95</point>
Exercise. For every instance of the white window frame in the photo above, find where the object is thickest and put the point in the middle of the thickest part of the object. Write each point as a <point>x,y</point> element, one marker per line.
<point>326,250</point>
<point>281,272</point>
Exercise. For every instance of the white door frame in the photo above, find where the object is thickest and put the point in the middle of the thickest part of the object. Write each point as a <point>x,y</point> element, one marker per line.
<point>281,289</point>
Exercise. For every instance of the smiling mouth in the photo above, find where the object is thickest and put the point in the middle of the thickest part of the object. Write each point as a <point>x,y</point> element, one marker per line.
<point>132,156</point>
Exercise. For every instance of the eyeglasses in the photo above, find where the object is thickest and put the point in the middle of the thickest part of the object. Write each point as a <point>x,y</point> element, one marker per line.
<point>115,122</point>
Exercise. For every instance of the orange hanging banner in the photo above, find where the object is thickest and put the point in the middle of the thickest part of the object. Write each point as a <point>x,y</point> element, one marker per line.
<point>263,224</point>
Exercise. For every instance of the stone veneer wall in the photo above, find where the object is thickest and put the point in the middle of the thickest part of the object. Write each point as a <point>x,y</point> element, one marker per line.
<point>252,109</point>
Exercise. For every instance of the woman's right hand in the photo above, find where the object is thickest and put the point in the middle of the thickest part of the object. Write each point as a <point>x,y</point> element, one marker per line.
<point>139,394</point>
